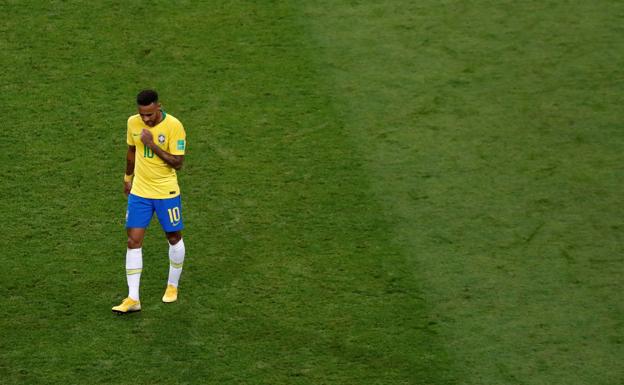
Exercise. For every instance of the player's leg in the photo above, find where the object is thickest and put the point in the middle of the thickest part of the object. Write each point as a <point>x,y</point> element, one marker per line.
<point>177,252</point>
<point>134,260</point>
<point>138,216</point>
<point>169,212</point>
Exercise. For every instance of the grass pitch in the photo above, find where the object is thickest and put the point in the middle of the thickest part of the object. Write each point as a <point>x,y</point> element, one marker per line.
<point>394,193</point>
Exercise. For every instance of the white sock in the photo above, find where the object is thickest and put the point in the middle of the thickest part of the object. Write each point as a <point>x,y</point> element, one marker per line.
<point>176,259</point>
<point>134,267</point>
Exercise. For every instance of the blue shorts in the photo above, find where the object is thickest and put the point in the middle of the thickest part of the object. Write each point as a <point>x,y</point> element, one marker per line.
<point>168,211</point>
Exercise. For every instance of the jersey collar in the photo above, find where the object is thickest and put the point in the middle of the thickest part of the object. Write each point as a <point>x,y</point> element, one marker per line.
<point>164,115</point>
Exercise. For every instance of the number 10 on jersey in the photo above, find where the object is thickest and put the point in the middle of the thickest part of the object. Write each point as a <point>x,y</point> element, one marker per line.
<point>148,152</point>
<point>174,214</point>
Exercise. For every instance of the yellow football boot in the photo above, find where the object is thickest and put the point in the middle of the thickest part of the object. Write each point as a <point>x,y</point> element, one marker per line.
<point>171,294</point>
<point>128,305</point>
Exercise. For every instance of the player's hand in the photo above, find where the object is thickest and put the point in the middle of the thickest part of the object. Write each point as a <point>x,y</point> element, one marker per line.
<point>147,138</point>
<point>127,187</point>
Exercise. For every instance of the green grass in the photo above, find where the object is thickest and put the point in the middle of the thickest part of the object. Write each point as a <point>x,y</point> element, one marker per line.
<point>374,193</point>
<point>494,136</point>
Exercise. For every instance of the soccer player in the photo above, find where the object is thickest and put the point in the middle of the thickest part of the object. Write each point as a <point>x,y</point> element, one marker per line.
<point>156,144</point>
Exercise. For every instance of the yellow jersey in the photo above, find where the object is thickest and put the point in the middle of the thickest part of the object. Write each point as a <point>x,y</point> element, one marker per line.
<point>153,178</point>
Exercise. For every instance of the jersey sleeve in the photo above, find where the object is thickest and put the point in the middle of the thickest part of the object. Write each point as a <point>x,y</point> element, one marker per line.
<point>177,145</point>
<point>129,138</point>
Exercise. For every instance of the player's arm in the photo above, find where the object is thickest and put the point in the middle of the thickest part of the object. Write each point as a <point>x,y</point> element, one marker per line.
<point>130,156</point>
<point>175,161</point>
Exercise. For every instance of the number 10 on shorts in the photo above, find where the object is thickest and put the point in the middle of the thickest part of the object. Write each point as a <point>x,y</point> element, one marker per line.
<point>174,215</point>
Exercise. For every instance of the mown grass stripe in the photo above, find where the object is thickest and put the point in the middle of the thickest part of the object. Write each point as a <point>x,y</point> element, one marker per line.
<point>489,139</point>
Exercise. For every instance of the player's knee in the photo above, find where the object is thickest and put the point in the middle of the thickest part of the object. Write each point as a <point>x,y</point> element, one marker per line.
<point>134,243</point>
<point>174,238</point>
